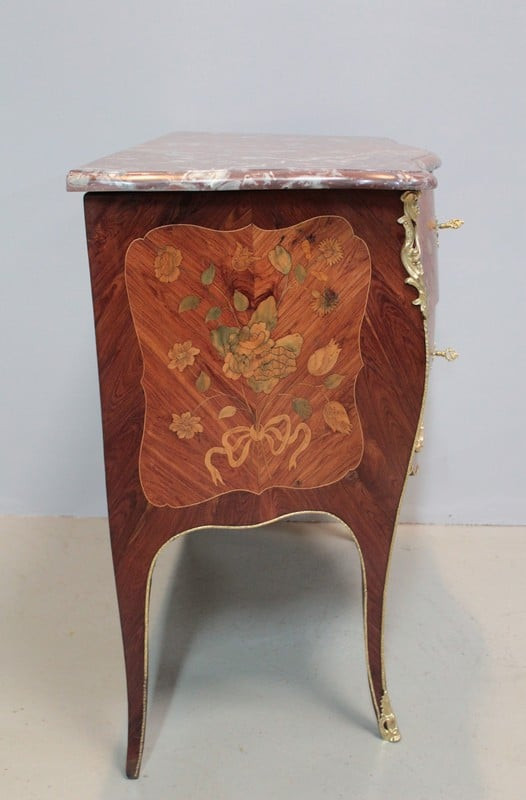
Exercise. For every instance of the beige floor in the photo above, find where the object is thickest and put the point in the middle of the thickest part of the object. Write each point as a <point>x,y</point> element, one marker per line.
<point>261,631</point>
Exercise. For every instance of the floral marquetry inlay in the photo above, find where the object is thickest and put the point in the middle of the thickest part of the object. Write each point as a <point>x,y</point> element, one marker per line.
<point>251,347</point>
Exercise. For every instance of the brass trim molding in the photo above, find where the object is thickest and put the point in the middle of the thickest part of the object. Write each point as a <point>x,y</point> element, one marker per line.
<point>419,438</point>
<point>387,724</point>
<point>411,254</point>
<point>280,518</point>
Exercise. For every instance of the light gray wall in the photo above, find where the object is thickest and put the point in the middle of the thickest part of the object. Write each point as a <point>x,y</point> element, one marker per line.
<point>86,79</point>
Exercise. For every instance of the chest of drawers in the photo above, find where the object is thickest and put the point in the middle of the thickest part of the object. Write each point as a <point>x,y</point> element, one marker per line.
<point>264,312</point>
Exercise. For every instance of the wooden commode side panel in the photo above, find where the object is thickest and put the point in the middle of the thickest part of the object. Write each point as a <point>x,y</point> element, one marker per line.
<point>260,354</point>
<point>388,389</point>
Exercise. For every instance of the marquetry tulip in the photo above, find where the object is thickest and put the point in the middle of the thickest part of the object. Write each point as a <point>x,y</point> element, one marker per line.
<point>336,417</point>
<point>323,360</point>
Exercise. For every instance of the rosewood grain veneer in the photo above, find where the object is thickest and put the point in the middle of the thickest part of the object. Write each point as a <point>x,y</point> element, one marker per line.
<point>263,343</point>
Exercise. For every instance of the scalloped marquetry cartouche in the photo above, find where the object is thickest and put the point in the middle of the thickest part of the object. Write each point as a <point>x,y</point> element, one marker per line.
<point>251,348</point>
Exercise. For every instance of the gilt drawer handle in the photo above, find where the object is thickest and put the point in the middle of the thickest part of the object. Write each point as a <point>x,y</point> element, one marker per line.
<point>451,223</point>
<point>449,354</point>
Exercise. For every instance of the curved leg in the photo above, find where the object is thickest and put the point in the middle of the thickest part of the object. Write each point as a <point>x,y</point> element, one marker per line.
<point>373,532</point>
<point>133,585</point>
<point>374,575</point>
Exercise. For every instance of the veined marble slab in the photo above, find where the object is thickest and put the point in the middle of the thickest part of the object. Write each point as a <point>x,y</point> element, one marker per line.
<point>228,161</point>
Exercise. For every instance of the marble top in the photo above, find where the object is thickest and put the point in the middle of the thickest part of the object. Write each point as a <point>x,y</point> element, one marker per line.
<point>227,161</point>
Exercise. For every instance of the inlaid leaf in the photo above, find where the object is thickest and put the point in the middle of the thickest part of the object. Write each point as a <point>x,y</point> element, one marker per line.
<point>240,301</point>
<point>202,384</point>
<point>280,259</point>
<point>189,303</point>
<point>266,312</point>
<point>207,277</point>
<point>293,342</point>
<point>300,273</point>
<point>334,380</point>
<point>302,407</point>
<point>221,336</point>
<point>227,411</point>
<point>213,313</point>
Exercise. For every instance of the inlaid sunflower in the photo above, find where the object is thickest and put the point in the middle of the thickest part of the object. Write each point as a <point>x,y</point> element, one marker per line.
<point>182,355</point>
<point>185,425</point>
<point>325,301</point>
<point>331,250</point>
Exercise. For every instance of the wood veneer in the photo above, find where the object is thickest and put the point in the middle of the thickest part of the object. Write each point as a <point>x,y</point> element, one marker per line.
<point>388,391</point>
<point>251,347</point>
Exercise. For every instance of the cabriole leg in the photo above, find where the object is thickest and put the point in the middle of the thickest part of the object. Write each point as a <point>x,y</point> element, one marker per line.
<point>374,580</point>
<point>133,586</point>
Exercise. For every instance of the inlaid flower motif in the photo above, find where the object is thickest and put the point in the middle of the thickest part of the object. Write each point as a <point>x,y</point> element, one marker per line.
<point>253,355</point>
<point>252,340</point>
<point>323,360</point>
<point>276,363</point>
<point>185,425</point>
<point>325,301</point>
<point>242,258</point>
<point>336,417</point>
<point>246,348</point>
<point>331,250</point>
<point>182,355</point>
<point>167,263</point>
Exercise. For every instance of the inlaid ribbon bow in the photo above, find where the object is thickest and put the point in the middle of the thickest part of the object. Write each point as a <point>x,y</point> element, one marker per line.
<point>236,443</point>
